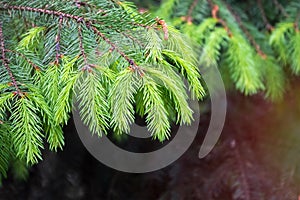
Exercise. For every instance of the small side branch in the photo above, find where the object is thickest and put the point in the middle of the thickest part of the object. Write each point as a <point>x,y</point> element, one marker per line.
<point>81,47</point>
<point>189,17</point>
<point>214,13</point>
<point>280,7</point>
<point>247,33</point>
<point>6,62</point>
<point>25,58</point>
<point>131,62</point>
<point>57,40</point>
<point>264,17</point>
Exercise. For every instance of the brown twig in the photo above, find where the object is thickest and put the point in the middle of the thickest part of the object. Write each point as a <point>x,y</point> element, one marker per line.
<point>189,17</point>
<point>214,13</point>
<point>6,62</point>
<point>78,19</point>
<point>164,27</point>
<point>264,17</point>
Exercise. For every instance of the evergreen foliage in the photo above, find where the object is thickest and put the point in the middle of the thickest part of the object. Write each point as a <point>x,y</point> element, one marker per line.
<point>115,62</point>
<point>250,41</point>
<point>103,56</point>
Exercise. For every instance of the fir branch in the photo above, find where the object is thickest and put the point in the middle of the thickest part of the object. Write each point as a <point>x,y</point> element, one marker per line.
<point>263,15</point>
<point>26,129</point>
<point>243,70</point>
<point>81,47</point>
<point>214,13</point>
<point>189,17</point>
<point>6,62</point>
<point>278,39</point>
<point>78,19</point>
<point>5,150</point>
<point>57,40</point>
<point>247,33</point>
<point>121,98</point>
<point>281,8</point>
<point>93,105</point>
<point>34,66</point>
<point>156,115</point>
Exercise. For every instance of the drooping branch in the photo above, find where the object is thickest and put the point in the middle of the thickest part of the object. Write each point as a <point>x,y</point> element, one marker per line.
<point>81,47</point>
<point>264,17</point>
<point>296,23</point>
<point>247,33</point>
<point>189,17</point>
<point>25,58</point>
<point>6,62</point>
<point>280,7</point>
<point>78,19</point>
<point>214,13</point>
<point>164,26</point>
<point>57,40</point>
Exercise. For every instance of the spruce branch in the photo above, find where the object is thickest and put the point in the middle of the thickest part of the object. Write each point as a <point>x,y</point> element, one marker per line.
<point>80,50</point>
<point>263,15</point>
<point>281,8</point>
<point>6,62</point>
<point>57,40</point>
<point>247,33</point>
<point>189,17</point>
<point>30,62</point>
<point>81,47</point>
<point>78,19</point>
<point>214,13</point>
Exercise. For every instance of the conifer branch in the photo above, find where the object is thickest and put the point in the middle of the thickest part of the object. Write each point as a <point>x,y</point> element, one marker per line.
<point>214,13</point>
<point>88,24</point>
<point>25,58</point>
<point>135,40</point>
<point>280,7</point>
<point>57,40</point>
<point>247,33</point>
<point>264,17</point>
<point>81,47</point>
<point>189,17</point>
<point>5,61</point>
<point>131,62</point>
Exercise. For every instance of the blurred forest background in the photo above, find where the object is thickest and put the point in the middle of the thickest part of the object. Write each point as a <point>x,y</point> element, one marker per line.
<point>256,158</point>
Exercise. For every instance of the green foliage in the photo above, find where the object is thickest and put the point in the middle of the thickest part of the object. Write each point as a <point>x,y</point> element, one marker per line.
<point>102,57</point>
<point>238,37</point>
<point>26,129</point>
<point>112,62</point>
<point>241,61</point>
